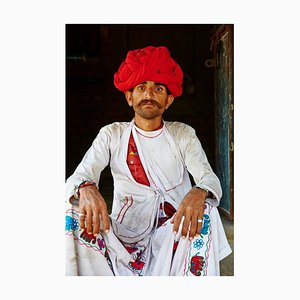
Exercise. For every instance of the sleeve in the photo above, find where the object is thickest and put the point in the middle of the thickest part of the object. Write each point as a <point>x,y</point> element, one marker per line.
<point>92,164</point>
<point>199,167</point>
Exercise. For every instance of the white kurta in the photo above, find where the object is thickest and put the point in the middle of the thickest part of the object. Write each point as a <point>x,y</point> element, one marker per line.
<point>135,246</point>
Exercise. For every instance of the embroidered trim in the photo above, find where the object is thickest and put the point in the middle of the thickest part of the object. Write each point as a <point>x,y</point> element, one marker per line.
<point>152,179</point>
<point>126,209</point>
<point>149,137</point>
<point>126,201</point>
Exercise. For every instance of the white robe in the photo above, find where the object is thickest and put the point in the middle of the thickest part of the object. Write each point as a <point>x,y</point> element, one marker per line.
<point>135,209</point>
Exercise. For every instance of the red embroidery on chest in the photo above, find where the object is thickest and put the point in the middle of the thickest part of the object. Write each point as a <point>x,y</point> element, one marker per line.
<point>134,163</point>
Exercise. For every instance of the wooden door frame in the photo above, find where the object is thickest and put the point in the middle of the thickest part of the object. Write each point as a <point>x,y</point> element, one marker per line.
<point>220,32</point>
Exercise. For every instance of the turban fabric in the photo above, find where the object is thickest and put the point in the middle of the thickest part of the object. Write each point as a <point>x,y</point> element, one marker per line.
<point>150,63</point>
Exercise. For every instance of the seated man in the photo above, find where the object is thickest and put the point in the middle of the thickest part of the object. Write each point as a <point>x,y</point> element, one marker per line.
<point>159,224</point>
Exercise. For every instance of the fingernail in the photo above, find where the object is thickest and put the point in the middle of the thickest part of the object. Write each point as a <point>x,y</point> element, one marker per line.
<point>197,235</point>
<point>89,232</point>
<point>175,232</point>
<point>106,231</point>
<point>183,237</point>
<point>95,234</point>
<point>190,238</point>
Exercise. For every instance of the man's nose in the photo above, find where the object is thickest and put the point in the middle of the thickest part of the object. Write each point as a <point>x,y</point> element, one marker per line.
<point>148,93</point>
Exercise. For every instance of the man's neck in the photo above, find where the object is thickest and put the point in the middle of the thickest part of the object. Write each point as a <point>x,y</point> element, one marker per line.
<point>147,125</point>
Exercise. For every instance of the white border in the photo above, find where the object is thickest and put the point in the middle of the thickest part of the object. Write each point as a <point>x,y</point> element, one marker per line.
<point>266,152</point>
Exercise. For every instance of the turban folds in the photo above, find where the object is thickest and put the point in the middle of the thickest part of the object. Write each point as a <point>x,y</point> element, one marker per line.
<point>150,63</point>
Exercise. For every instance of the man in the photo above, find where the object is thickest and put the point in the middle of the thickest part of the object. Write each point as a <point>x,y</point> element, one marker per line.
<point>160,224</point>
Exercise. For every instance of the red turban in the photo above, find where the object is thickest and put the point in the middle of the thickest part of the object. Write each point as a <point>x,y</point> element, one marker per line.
<point>150,63</point>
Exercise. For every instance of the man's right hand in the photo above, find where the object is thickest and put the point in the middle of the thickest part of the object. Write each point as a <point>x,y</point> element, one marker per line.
<point>92,207</point>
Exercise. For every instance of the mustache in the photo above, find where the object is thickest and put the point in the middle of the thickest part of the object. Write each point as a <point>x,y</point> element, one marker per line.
<point>147,101</point>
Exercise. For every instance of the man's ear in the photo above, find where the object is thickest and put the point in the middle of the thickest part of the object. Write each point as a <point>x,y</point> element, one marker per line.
<point>169,101</point>
<point>128,96</point>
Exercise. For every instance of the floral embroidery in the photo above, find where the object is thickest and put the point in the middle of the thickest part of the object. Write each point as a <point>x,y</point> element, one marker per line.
<point>104,251</point>
<point>205,226</point>
<point>198,244</point>
<point>101,243</point>
<point>90,238</point>
<point>137,265</point>
<point>137,252</point>
<point>71,223</point>
<point>131,248</point>
<point>197,265</point>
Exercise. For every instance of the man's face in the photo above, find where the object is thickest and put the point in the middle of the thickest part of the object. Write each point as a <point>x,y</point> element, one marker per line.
<point>149,99</point>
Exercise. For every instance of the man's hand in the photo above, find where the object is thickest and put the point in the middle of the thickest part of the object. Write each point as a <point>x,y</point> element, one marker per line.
<point>192,208</point>
<point>92,207</point>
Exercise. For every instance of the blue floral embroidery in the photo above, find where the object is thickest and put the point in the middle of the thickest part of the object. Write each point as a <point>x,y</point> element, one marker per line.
<point>198,244</point>
<point>205,226</point>
<point>71,224</point>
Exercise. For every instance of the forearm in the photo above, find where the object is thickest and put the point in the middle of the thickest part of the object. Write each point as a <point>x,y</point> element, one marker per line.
<point>199,167</point>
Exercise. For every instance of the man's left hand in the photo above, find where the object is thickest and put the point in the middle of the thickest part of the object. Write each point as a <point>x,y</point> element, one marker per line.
<point>192,209</point>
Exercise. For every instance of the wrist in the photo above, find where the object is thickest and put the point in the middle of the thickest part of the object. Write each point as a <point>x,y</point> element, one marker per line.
<point>205,191</point>
<point>84,184</point>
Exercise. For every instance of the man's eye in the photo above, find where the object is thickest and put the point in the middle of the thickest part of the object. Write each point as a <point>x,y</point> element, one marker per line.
<point>140,87</point>
<point>159,89</point>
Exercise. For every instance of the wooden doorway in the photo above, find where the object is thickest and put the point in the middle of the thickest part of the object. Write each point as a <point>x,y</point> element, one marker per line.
<point>222,61</point>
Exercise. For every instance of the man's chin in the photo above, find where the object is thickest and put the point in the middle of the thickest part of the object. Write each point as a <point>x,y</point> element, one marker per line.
<point>149,115</point>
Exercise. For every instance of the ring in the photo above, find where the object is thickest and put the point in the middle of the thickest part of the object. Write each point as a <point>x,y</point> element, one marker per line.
<point>200,221</point>
<point>81,214</point>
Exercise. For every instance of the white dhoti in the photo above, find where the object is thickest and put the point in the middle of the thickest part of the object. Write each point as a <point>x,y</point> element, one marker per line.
<point>160,254</point>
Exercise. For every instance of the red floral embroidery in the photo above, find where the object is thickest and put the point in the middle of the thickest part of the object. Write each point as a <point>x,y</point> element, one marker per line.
<point>197,264</point>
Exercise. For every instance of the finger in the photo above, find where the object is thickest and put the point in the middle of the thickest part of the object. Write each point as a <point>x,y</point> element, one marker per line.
<point>199,224</point>
<point>186,222</point>
<point>82,216</point>
<point>88,221</point>
<point>105,220</point>
<point>172,219</point>
<point>96,223</point>
<point>177,220</point>
<point>193,226</point>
